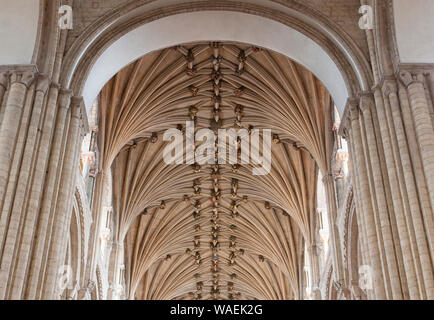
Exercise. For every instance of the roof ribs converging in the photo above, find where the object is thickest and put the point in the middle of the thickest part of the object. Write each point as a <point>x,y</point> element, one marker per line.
<point>213,231</point>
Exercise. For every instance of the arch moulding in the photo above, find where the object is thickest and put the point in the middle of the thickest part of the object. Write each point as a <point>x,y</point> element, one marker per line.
<point>122,37</point>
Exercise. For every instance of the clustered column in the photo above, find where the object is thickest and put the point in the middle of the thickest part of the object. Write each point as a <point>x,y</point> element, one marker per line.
<point>394,185</point>
<point>37,182</point>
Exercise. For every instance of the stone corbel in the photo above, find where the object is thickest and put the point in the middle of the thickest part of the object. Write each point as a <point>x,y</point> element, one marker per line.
<point>388,87</point>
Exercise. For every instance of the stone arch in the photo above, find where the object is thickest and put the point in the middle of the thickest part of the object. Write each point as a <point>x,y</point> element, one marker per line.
<point>341,66</point>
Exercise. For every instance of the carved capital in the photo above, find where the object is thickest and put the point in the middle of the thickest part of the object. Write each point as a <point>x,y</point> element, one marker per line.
<point>389,87</point>
<point>76,106</point>
<point>65,98</point>
<point>24,77</point>
<point>55,85</point>
<point>408,78</point>
<point>43,81</point>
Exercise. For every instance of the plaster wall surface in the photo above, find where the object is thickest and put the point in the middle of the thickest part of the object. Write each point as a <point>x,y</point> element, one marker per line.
<point>414,29</point>
<point>18,30</point>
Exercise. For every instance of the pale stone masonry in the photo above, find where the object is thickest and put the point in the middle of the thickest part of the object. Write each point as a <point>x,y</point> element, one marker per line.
<point>89,209</point>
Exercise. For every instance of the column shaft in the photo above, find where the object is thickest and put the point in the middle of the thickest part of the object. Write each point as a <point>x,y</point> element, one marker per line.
<point>37,268</point>
<point>424,131</point>
<point>422,189</point>
<point>14,242</point>
<point>364,195</point>
<point>415,223</point>
<point>377,188</point>
<point>65,192</point>
<point>399,215</point>
<point>34,195</point>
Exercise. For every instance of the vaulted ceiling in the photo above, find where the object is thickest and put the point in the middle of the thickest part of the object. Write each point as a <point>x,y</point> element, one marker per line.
<point>214,232</point>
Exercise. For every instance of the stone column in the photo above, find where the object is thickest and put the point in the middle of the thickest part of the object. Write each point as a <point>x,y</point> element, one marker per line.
<point>415,223</point>
<point>362,234</point>
<point>61,221</point>
<point>425,136</point>
<point>49,196</point>
<point>83,129</point>
<point>355,185</point>
<point>414,151</point>
<point>35,193</point>
<point>19,200</point>
<point>378,189</point>
<point>364,195</point>
<point>361,226</point>
<point>20,81</point>
<point>423,126</point>
<point>397,199</point>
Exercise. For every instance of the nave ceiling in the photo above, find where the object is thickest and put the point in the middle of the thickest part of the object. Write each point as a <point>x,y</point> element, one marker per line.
<point>214,232</point>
